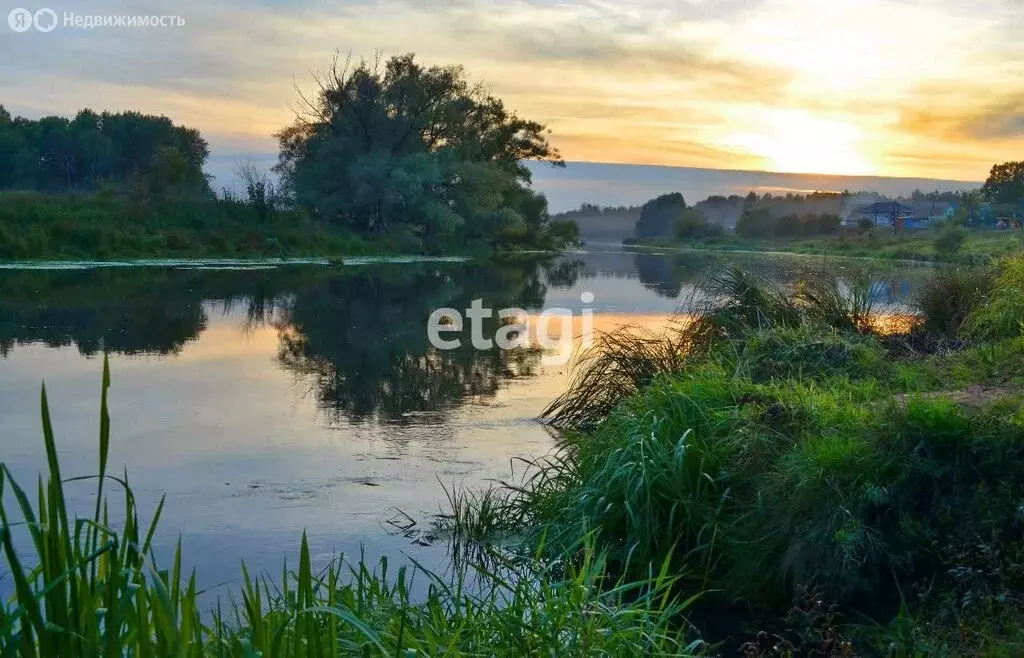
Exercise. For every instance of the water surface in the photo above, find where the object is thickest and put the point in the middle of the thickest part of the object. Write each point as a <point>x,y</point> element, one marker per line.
<point>265,401</point>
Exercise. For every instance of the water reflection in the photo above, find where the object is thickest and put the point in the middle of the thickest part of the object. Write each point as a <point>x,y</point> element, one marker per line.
<point>359,331</point>
<point>361,339</point>
<point>263,402</point>
<point>356,336</point>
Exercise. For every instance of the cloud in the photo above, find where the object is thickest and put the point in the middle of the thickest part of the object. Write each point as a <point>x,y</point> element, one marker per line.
<point>1001,121</point>
<point>658,81</point>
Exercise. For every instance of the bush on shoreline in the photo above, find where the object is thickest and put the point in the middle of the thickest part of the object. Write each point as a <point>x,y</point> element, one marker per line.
<point>981,247</point>
<point>792,453</point>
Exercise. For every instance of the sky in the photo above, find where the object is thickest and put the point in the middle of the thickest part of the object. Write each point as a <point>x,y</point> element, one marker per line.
<point>913,88</point>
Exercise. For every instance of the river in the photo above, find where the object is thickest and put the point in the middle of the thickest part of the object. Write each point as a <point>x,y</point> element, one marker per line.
<point>263,401</point>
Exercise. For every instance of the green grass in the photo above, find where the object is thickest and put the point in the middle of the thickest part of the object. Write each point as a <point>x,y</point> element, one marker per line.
<point>981,246</point>
<point>91,587</point>
<point>797,450</point>
<point>1002,314</point>
<point>40,226</point>
<point>736,318</point>
<point>776,462</point>
<point>761,491</point>
<point>949,297</point>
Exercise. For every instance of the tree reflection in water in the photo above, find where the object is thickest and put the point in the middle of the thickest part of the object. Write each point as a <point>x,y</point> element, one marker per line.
<point>356,335</point>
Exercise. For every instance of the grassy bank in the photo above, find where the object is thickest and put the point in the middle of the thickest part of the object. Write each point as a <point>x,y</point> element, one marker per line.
<point>834,489</point>
<point>39,226</point>
<point>779,475</point>
<point>980,246</point>
<point>35,226</point>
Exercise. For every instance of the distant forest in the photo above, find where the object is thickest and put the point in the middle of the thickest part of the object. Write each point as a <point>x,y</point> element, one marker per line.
<point>792,214</point>
<point>57,154</point>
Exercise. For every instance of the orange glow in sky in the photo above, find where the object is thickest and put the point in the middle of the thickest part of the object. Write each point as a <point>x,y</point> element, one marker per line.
<point>887,87</point>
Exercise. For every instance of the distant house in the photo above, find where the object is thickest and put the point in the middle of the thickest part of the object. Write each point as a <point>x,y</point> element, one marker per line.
<point>884,213</point>
<point>932,212</point>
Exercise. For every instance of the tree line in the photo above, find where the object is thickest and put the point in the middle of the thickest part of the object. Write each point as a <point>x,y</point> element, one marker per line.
<point>754,216</point>
<point>815,214</point>
<point>382,148</point>
<point>57,154</point>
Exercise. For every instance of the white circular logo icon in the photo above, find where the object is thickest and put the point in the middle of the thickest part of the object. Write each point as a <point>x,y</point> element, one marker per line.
<point>45,20</point>
<point>20,20</point>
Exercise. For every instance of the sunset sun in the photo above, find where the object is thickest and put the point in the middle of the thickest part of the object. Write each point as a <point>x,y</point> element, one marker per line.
<point>799,142</point>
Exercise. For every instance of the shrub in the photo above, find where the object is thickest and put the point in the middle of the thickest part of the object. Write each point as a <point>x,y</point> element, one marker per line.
<point>824,224</point>
<point>790,225</point>
<point>761,490</point>
<point>658,215</point>
<point>692,224</point>
<point>808,353</point>
<point>948,298</point>
<point>1002,316</point>
<point>950,240</point>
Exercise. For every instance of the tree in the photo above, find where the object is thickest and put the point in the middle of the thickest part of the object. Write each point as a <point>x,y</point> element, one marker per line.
<point>692,224</point>
<point>1005,183</point>
<point>260,189</point>
<point>757,223</point>
<point>397,146</point>
<point>971,204</point>
<point>658,216</point>
<point>823,224</point>
<point>57,154</point>
<point>790,226</point>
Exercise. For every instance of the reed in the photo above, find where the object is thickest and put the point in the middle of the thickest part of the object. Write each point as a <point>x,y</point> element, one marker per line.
<point>90,587</point>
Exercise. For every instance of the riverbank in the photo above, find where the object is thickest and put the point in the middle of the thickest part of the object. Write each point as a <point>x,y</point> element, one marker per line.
<point>830,487</point>
<point>978,248</point>
<point>780,474</point>
<point>97,227</point>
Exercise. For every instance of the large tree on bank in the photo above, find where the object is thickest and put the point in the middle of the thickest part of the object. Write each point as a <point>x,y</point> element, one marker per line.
<point>1005,184</point>
<point>396,146</point>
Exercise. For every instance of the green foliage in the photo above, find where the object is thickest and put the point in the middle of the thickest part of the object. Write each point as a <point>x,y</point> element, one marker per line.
<point>950,240</point>
<point>789,226</point>
<point>1002,315</point>
<point>619,365</point>
<point>782,460</point>
<point>761,490</point>
<point>756,223</point>
<point>396,146</point>
<point>1005,183</point>
<point>658,216</point>
<point>806,353</point>
<point>736,304</point>
<point>692,224</point>
<point>82,154</point>
<point>37,225</point>
<point>949,296</point>
<point>91,588</point>
<point>841,306</point>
